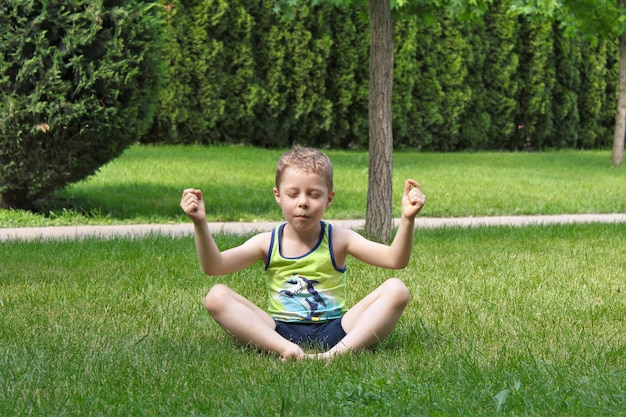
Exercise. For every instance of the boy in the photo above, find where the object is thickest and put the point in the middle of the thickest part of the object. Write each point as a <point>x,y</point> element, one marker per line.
<point>305,263</point>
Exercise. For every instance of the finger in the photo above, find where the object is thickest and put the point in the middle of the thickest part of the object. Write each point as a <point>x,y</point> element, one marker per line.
<point>190,201</point>
<point>416,196</point>
<point>191,193</point>
<point>187,193</point>
<point>417,199</point>
<point>409,184</point>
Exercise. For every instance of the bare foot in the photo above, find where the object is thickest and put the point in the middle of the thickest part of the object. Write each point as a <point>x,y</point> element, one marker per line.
<point>326,356</point>
<point>339,349</point>
<point>293,353</point>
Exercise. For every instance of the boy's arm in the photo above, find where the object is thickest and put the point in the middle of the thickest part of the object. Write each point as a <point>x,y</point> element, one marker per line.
<point>398,254</point>
<point>212,260</point>
<point>412,202</point>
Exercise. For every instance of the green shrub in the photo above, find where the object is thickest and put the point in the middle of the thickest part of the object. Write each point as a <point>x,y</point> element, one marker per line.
<point>239,73</point>
<point>79,83</point>
<point>536,80</point>
<point>493,63</point>
<point>595,129</point>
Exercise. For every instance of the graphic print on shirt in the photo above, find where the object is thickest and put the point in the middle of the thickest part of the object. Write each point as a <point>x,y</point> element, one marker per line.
<point>300,294</point>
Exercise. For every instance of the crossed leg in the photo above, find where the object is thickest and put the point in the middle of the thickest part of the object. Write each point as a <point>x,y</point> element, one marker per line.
<point>372,319</point>
<point>248,323</point>
<point>367,323</point>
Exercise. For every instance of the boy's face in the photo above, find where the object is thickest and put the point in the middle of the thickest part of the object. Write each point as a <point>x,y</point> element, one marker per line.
<point>303,197</point>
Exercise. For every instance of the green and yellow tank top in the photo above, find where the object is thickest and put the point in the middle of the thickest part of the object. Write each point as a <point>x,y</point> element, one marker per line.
<point>309,288</point>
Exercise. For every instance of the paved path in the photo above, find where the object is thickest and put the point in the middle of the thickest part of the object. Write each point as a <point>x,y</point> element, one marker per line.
<point>182,229</point>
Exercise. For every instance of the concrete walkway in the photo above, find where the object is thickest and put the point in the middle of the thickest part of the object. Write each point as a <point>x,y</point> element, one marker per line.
<point>183,229</point>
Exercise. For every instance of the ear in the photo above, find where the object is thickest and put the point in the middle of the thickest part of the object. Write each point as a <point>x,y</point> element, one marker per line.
<point>331,197</point>
<point>277,196</point>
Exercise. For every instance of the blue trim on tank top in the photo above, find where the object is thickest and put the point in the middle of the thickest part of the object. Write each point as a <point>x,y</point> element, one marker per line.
<point>319,242</point>
<point>280,242</point>
<point>332,252</point>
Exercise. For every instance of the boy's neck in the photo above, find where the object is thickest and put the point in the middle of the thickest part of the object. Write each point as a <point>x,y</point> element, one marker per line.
<point>301,239</point>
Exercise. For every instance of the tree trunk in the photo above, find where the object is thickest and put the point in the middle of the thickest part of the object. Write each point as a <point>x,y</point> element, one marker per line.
<point>617,156</point>
<point>378,216</point>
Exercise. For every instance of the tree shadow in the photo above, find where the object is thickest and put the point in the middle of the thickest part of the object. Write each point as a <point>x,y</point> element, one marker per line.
<point>123,202</point>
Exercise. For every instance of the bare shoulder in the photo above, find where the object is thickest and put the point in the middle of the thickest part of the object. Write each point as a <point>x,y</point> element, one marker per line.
<point>253,249</point>
<point>259,242</point>
<point>347,241</point>
<point>341,232</point>
<point>344,238</point>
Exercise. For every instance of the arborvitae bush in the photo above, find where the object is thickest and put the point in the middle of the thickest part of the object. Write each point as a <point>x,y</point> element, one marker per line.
<point>499,69</point>
<point>347,81</point>
<point>536,76</point>
<point>592,97</point>
<point>239,73</point>
<point>430,90</point>
<point>174,119</point>
<point>405,115</point>
<point>78,84</point>
<point>476,119</point>
<point>417,105</point>
<point>566,112</point>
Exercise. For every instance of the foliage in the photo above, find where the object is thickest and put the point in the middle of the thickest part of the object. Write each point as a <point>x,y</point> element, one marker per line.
<point>438,97</point>
<point>78,86</point>
<point>243,75</point>
<point>605,19</point>
<point>536,80</point>
<point>499,82</point>
<point>569,57</point>
<point>499,69</point>
<point>595,22</point>
<point>594,95</point>
<point>347,83</point>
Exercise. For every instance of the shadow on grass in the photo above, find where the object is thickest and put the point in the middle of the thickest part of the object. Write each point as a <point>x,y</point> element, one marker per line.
<point>160,203</point>
<point>148,201</point>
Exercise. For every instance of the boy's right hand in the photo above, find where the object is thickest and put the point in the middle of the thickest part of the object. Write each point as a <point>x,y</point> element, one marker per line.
<point>193,205</point>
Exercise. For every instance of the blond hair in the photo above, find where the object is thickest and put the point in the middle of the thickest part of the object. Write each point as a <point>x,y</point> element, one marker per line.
<point>308,160</point>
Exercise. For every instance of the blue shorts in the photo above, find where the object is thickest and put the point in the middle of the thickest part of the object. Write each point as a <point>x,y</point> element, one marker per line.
<point>323,335</point>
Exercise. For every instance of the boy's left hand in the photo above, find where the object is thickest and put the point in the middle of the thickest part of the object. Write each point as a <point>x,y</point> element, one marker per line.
<point>412,199</point>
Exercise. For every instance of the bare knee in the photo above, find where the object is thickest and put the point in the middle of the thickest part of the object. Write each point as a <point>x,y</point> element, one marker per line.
<point>216,298</point>
<point>398,292</point>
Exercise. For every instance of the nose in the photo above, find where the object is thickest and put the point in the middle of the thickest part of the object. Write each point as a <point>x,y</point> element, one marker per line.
<point>303,201</point>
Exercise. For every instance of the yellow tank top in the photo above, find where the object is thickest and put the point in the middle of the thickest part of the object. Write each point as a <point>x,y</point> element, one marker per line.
<point>309,288</point>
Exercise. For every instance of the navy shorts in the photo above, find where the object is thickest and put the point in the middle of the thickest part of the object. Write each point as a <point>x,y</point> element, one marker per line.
<point>323,335</point>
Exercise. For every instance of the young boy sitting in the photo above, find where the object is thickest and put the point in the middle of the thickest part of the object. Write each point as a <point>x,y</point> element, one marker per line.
<point>305,265</point>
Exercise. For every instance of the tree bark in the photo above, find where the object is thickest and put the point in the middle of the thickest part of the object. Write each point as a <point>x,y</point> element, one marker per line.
<point>378,216</point>
<point>617,156</point>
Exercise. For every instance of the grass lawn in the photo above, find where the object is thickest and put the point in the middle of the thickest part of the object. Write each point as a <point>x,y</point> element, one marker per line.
<point>502,321</point>
<point>144,185</point>
<point>508,321</point>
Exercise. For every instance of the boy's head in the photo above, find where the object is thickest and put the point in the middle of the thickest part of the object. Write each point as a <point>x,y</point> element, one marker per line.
<point>307,160</point>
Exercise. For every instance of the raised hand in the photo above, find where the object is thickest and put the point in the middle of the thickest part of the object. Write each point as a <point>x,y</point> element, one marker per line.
<point>413,198</point>
<point>192,204</point>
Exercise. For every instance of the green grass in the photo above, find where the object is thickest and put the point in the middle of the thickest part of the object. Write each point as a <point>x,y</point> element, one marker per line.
<point>144,185</point>
<point>503,321</point>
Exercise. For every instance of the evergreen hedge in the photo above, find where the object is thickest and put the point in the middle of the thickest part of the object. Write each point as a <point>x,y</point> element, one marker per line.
<point>241,74</point>
<point>78,82</point>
